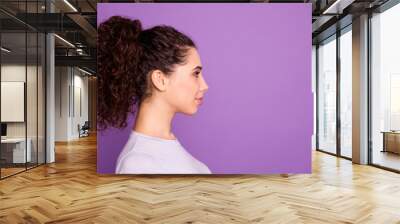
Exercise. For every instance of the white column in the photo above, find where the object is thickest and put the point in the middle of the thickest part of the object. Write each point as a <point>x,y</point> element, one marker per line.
<point>360,90</point>
<point>50,93</point>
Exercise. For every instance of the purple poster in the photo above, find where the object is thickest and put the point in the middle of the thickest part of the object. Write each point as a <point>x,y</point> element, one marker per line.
<point>216,88</point>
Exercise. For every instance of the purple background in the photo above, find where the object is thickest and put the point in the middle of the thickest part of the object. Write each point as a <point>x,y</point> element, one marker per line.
<point>257,116</point>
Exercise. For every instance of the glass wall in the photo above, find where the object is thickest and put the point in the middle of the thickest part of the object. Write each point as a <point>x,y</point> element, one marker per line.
<point>346,92</point>
<point>41,96</point>
<point>13,90</point>
<point>327,95</point>
<point>22,89</point>
<point>385,88</point>
<point>31,100</point>
<point>335,74</point>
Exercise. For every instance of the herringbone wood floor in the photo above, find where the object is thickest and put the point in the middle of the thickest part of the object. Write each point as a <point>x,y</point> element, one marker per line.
<point>70,191</point>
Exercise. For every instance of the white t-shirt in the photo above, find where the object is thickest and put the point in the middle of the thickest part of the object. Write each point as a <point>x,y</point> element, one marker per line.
<point>144,154</point>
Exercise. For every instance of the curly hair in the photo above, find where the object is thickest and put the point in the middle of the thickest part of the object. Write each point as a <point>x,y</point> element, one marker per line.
<point>126,56</point>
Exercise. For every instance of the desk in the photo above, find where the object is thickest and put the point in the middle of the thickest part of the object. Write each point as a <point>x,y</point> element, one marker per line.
<point>391,141</point>
<point>17,150</point>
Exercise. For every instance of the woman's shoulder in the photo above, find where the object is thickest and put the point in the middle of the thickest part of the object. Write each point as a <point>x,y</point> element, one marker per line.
<point>137,163</point>
<point>203,168</point>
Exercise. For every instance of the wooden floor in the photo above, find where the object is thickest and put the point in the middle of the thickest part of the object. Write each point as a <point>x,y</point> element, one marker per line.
<point>5,172</point>
<point>70,191</point>
<point>388,159</point>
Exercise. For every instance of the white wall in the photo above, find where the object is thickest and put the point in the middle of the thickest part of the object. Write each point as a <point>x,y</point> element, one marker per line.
<point>62,80</point>
<point>34,125</point>
<point>16,72</point>
<point>71,93</point>
<point>13,101</point>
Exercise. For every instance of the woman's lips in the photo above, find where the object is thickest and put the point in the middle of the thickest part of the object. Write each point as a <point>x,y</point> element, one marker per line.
<point>199,100</point>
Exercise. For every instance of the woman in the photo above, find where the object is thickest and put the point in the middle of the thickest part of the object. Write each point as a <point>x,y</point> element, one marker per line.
<point>158,72</point>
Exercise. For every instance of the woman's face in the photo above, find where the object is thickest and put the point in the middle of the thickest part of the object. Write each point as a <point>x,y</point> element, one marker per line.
<point>186,86</point>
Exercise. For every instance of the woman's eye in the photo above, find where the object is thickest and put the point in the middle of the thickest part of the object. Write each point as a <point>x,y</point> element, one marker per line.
<point>197,74</point>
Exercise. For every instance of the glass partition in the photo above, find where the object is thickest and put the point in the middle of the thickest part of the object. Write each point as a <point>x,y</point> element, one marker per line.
<point>22,88</point>
<point>14,154</point>
<point>31,100</point>
<point>41,87</point>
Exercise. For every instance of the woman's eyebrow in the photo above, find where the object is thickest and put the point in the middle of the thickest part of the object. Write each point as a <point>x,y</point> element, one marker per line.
<point>198,67</point>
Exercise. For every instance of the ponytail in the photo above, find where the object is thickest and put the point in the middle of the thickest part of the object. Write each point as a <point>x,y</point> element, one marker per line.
<point>126,54</point>
<point>117,58</point>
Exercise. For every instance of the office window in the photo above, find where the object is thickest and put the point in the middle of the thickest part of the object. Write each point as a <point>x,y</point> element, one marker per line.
<point>327,95</point>
<point>314,90</point>
<point>346,92</point>
<point>385,88</point>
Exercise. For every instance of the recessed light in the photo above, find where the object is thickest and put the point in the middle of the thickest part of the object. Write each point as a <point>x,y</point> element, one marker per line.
<point>86,72</point>
<point>5,50</point>
<point>64,40</point>
<point>70,5</point>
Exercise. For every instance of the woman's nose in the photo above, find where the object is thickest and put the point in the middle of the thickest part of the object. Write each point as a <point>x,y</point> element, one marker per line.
<point>204,86</point>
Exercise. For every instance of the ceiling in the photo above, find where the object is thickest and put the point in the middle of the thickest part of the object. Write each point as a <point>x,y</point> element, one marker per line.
<point>75,22</point>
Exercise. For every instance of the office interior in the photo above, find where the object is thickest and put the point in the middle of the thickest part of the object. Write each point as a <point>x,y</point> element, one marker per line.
<point>375,89</point>
<point>45,86</point>
<point>48,88</point>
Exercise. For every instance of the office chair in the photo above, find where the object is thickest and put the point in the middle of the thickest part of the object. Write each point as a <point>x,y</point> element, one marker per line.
<point>84,130</point>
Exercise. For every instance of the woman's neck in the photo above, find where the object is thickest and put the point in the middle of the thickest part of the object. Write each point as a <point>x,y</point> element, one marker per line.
<point>154,118</point>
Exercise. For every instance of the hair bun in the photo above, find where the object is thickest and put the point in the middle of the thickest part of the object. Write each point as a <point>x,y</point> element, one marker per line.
<point>120,29</point>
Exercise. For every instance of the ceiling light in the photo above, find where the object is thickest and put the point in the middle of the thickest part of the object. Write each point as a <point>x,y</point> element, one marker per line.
<point>64,40</point>
<point>338,6</point>
<point>86,72</point>
<point>5,49</point>
<point>331,7</point>
<point>79,51</point>
<point>70,5</point>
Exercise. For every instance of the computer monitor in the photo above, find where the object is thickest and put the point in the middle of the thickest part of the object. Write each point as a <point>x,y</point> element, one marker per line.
<point>3,129</point>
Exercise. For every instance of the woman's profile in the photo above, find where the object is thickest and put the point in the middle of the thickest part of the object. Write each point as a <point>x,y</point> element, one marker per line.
<point>154,73</point>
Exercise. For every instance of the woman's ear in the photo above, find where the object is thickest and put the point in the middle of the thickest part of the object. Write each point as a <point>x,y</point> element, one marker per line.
<point>159,80</point>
